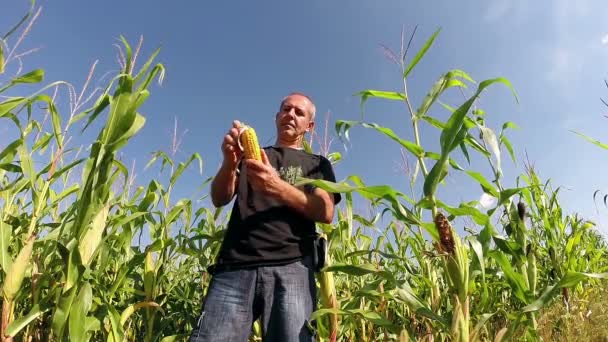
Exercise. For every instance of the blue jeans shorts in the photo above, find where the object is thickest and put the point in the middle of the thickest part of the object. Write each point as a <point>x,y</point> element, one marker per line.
<point>283,297</point>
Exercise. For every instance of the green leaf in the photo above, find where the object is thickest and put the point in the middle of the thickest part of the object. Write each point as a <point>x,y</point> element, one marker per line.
<point>346,125</point>
<point>384,192</point>
<point>506,194</point>
<point>421,53</point>
<point>10,104</point>
<point>516,281</point>
<point>78,314</point>
<point>27,166</point>
<point>135,127</point>
<point>42,142</point>
<point>11,167</point>
<point>509,124</point>
<point>183,166</point>
<point>56,120</point>
<point>416,150</point>
<point>10,150</point>
<point>31,77</point>
<point>117,331</point>
<point>435,176</point>
<point>445,82</point>
<point>478,249</point>
<point>145,68</point>
<point>389,95</point>
<point>436,156</point>
<point>569,280</point>
<point>165,160</point>
<point>66,168</point>
<point>17,325</point>
<point>25,17</point>
<point>512,248</point>
<point>452,135</point>
<point>415,304</point>
<point>60,317</point>
<point>591,140</point>
<point>505,141</point>
<point>485,185</point>
<point>356,270</point>
<point>466,210</point>
<point>434,122</point>
<point>99,106</point>
<point>372,316</point>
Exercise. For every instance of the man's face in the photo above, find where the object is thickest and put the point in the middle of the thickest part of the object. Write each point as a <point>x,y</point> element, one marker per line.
<point>294,117</point>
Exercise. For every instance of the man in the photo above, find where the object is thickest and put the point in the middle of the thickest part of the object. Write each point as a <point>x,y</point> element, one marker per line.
<point>264,268</point>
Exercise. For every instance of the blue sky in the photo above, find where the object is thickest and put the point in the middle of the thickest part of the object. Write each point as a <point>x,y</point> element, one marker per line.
<point>237,59</point>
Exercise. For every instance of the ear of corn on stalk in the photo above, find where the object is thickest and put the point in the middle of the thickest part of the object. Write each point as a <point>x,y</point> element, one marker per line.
<point>248,143</point>
<point>16,273</point>
<point>328,297</point>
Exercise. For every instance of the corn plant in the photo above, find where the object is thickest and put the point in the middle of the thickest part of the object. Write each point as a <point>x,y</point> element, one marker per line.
<point>88,254</point>
<point>484,286</point>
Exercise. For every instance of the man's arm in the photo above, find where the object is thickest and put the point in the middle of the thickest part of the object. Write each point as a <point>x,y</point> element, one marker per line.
<point>223,185</point>
<point>317,206</point>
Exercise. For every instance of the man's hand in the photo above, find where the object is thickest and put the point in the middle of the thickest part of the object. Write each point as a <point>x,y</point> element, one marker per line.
<point>262,176</point>
<point>317,206</point>
<point>230,148</point>
<point>223,185</point>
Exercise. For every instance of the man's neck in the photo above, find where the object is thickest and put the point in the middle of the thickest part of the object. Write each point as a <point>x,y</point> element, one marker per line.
<point>289,144</point>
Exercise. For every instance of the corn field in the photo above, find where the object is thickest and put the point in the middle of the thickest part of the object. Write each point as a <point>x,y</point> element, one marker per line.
<point>74,267</point>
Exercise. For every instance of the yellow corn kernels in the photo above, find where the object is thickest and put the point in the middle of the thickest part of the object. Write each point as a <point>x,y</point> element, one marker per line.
<point>248,142</point>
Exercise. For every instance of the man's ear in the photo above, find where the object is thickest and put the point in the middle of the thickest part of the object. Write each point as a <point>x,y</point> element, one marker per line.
<point>311,125</point>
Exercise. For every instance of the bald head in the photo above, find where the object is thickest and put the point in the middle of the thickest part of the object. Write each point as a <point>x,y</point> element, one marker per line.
<point>311,105</point>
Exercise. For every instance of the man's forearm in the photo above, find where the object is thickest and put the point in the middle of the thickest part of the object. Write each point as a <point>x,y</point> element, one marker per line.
<point>223,185</point>
<point>317,206</point>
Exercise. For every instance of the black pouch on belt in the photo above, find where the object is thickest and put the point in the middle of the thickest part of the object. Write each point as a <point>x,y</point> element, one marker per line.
<point>319,252</point>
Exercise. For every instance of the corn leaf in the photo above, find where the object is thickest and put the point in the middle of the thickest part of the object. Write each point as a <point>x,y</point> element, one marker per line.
<point>420,53</point>
<point>17,325</point>
<point>591,140</point>
<point>78,314</point>
<point>7,106</point>
<point>485,184</point>
<point>389,95</point>
<point>569,280</point>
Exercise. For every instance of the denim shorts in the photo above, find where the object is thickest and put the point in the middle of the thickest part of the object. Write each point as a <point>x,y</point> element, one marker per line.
<point>283,297</point>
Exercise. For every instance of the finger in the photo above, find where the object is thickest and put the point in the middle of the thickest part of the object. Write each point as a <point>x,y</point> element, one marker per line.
<point>234,133</point>
<point>228,139</point>
<point>254,165</point>
<point>236,124</point>
<point>264,157</point>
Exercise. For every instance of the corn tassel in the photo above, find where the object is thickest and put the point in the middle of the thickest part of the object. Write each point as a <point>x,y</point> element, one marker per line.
<point>248,143</point>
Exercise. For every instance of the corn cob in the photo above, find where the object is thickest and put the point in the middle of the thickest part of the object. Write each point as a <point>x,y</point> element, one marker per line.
<point>16,273</point>
<point>328,297</point>
<point>446,238</point>
<point>248,143</point>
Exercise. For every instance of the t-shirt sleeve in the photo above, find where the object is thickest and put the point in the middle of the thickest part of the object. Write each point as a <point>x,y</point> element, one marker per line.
<point>326,171</point>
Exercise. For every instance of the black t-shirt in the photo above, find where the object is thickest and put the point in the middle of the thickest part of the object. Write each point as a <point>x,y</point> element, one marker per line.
<point>262,230</point>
